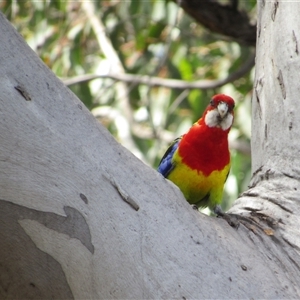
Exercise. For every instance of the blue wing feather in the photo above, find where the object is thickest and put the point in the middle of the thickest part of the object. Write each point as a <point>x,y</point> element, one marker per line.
<point>166,165</point>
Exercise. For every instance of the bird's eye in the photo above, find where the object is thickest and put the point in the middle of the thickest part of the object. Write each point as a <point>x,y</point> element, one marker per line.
<point>212,102</point>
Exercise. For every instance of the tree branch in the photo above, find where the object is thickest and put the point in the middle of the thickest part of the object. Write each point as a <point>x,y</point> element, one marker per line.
<point>168,83</point>
<point>223,19</point>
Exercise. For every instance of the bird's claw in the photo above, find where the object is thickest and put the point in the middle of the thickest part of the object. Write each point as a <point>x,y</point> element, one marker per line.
<point>231,219</point>
<point>194,206</point>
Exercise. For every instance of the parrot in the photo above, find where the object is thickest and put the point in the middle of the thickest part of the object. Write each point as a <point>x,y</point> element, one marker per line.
<point>198,162</point>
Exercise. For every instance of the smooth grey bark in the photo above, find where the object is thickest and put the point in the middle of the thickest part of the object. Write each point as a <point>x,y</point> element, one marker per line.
<point>274,190</point>
<point>82,218</point>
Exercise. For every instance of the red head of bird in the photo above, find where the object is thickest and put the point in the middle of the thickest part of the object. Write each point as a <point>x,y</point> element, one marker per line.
<point>219,112</point>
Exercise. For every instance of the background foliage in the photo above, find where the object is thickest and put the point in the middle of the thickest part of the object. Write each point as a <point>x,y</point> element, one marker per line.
<point>155,38</point>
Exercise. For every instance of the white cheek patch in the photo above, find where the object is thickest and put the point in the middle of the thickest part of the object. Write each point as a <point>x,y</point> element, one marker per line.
<point>227,122</point>
<point>212,119</point>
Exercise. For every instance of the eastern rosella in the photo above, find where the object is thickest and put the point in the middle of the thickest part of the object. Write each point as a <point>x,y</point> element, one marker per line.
<point>198,162</point>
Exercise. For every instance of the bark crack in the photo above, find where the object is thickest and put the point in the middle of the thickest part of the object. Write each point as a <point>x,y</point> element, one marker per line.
<point>274,11</point>
<point>281,83</point>
<point>296,43</point>
<point>23,92</point>
<point>124,195</point>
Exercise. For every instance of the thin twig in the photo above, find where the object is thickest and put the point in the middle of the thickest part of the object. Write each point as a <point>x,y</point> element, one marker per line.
<point>178,100</point>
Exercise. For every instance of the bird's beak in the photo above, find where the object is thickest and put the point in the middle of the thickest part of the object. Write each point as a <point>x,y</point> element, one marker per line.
<point>222,109</point>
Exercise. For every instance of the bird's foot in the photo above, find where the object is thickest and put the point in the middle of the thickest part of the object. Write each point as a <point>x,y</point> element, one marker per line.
<point>231,219</point>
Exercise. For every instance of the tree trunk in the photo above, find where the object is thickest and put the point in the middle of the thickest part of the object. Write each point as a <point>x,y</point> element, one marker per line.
<point>82,218</point>
<point>274,191</point>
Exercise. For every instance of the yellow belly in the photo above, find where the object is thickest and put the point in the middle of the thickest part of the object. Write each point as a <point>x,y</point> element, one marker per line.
<point>197,188</point>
